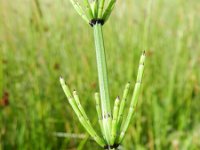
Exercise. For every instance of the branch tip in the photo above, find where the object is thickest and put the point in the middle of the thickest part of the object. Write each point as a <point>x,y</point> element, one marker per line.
<point>62,81</point>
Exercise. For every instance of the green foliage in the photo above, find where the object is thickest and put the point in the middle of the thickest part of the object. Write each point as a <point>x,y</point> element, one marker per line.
<point>112,130</point>
<point>37,49</point>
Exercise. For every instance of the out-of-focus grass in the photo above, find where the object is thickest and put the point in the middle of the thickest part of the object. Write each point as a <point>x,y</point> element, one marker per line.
<point>41,41</point>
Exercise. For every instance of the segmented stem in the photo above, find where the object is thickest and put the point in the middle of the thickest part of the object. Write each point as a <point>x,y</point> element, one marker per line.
<point>76,98</point>
<point>98,108</point>
<point>100,9</point>
<point>135,96</point>
<point>103,80</point>
<point>95,8</point>
<point>89,9</point>
<point>108,10</point>
<point>114,120</point>
<point>122,106</point>
<point>86,124</point>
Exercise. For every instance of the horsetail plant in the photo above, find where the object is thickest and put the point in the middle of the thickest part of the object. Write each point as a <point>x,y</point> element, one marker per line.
<point>113,123</point>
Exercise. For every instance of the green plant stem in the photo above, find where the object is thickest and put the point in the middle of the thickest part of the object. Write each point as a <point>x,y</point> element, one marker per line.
<point>122,105</point>
<point>84,121</point>
<point>134,99</point>
<point>99,113</point>
<point>114,120</point>
<point>108,10</point>
<point>88,8</point>
<point>79,9</point>
<point>100,10</point>
<point>103,81</point>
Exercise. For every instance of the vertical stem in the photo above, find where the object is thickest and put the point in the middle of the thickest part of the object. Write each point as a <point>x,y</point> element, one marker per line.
<point>103,80</point>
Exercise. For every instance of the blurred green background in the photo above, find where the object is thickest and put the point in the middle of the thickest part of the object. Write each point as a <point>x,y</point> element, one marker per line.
<point>40,40</point>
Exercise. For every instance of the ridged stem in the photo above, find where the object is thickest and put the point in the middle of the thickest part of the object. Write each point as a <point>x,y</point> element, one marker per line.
<point>88,8</point>
<point>108,10</point>
<point>103,81</point>
<point>99,113</point>
<point>100,10</point>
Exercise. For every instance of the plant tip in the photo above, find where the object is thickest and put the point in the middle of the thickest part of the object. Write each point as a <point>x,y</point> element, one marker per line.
<point>62,81</point>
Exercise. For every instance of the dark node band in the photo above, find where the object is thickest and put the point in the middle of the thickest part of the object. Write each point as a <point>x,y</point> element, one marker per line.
<point>111,146</point>
<point>96,21</point>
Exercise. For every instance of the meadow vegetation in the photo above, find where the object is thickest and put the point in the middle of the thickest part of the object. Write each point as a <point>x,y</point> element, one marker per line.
<point>40,40</point>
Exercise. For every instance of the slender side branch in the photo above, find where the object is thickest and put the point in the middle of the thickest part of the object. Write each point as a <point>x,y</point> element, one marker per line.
<point>76,97</point>
<point>80,116</point>
<point>89,9</point>
<point>108,10</point>
<point>80,11</point>
<point>122,106</point>
<point>135,96</point>
<point>114,120</point>
<point>94,7</point>
<point>100,9</point>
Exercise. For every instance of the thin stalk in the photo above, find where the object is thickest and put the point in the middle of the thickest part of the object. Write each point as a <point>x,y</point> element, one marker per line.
<point>95,8</point>
<point>77,100</point>
<point>80,116</point>
<point>134,99</point>
<point>79,10</point>
<point>103,80</point>
<point>114,120</point>
<point>89,9</point>
<point>108,10</point>
<point>98,108</point>
<point>122,106</point>
<point>100,10</point>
